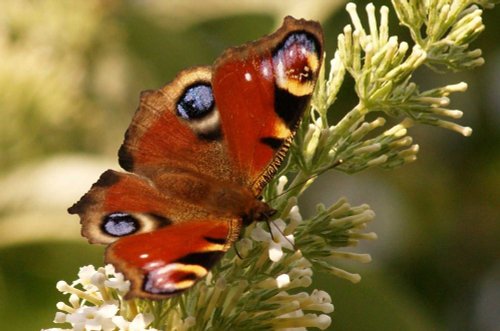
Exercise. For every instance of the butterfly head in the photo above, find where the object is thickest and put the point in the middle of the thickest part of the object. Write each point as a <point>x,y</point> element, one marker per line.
<point>259,212</point>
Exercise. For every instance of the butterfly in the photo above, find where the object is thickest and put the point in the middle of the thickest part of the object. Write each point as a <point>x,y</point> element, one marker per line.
<point>197,156</point>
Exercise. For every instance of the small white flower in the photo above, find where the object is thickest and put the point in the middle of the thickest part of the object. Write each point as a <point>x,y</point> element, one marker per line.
<point>85,277</point>
<point>295,219</point>
<point>304,281</point>
<point>98,279</point>
<point>119,283</point>
<point>268,283</point>
<point>282,280</point>
<point>296,321</point>
<point>277,241</point>
<point>302,262</point>
<point>93,318</point>
<point>96,307</point>
<point>295,214</point>
<point>63,286</point>
<point>139,323</point>
<point>296,313</point>
<point>321,296</point>
<point>60,317</point>
<point>281,184</point>
<point>300,272</point>
<point>74,300</point>
<point>109,269</point>
<point>319,301</point>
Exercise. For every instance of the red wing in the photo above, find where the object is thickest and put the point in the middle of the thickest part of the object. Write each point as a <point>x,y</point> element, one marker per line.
<point>167,261</point>
<point>233,122</point>
<point>262,89</point>
<point>176,129</point>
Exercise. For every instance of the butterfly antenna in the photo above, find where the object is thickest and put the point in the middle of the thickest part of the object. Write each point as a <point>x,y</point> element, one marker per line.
<point>269,223</point>
<point>338,162</point>
<point>237,252</point>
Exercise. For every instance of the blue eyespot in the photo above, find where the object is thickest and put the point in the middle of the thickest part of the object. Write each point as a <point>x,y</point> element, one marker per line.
<point>196,102</point>
<point>120,224</point>
<point>302,40</point>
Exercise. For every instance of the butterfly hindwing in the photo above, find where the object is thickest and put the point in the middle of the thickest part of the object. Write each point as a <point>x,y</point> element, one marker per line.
<point>123,204</point>
<point>167,261</point>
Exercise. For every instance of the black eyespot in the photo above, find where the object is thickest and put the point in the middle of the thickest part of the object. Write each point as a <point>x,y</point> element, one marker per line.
<point>196,102</point>
<point>120,224</point>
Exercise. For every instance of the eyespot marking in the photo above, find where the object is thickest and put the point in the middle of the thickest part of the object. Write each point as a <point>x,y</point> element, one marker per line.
<point>120,224</point>
<point>197,107</point>
<point>296,63</point>
<point>171,278</point>
<point>196,102</point>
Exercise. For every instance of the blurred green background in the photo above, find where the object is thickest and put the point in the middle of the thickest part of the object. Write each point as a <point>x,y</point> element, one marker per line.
<point>70,76</point>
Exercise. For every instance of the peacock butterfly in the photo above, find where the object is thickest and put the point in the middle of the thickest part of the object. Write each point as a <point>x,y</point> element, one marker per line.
<point>197,154</point>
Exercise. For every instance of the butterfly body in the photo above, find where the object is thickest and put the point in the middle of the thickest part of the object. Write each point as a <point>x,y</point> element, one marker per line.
<point>197,154</point>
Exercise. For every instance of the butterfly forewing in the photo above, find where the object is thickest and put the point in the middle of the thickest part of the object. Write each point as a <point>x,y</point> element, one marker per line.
<point>164,138</point>
<point>274,79</point>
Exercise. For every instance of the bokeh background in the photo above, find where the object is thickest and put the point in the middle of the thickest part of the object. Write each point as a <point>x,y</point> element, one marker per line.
<point>70,76</point>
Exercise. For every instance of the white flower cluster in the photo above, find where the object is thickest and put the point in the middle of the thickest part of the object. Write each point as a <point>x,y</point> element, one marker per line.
<point>263,287</point>
<point>290,313</point>
<point>382,67</point>
<point>96,303</point>
<point>296,320</point>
